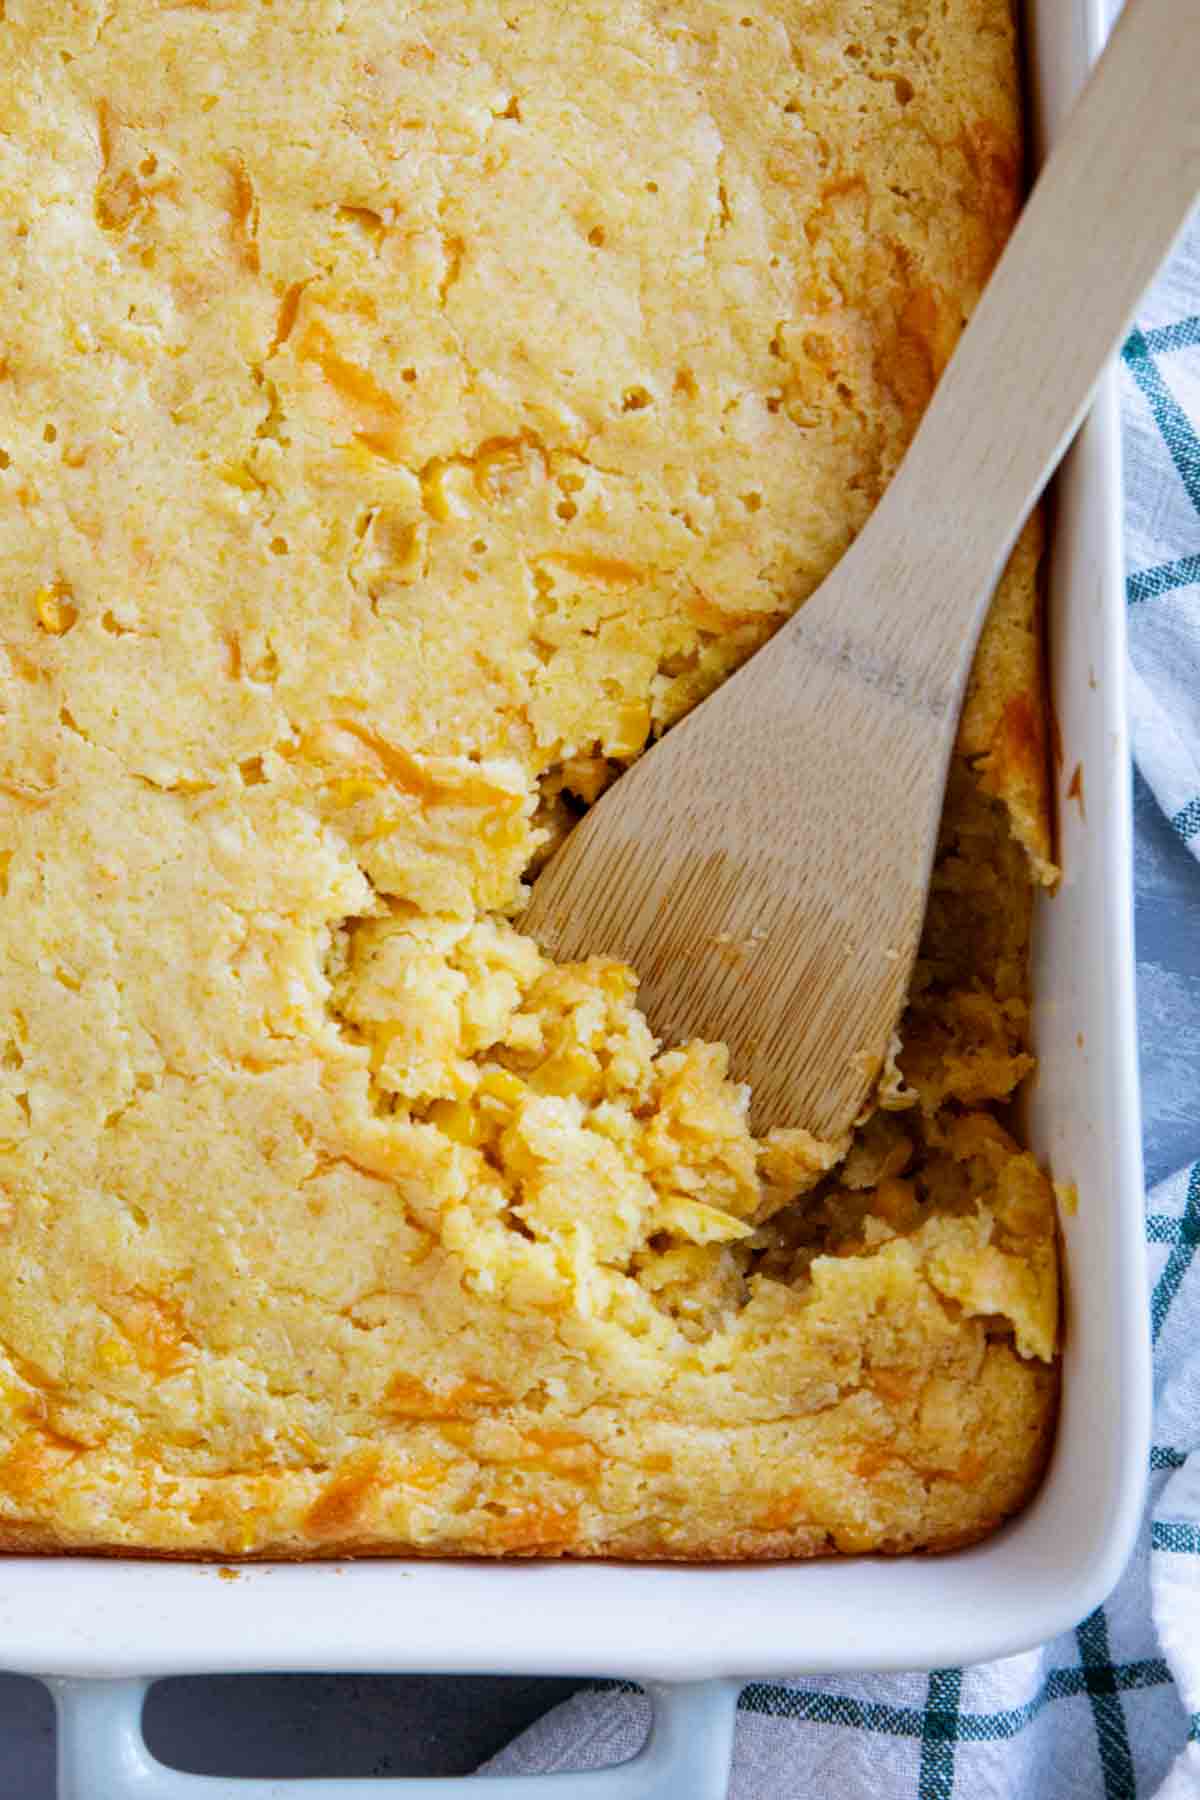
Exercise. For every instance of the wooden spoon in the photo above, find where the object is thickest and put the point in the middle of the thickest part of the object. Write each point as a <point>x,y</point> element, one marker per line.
<point>765,866</point>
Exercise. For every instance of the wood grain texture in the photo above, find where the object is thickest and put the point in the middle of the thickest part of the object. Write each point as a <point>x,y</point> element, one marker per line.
<point>765,866</point>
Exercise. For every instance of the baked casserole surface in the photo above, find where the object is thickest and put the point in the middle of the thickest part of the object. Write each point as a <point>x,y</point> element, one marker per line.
<point>407,411</point>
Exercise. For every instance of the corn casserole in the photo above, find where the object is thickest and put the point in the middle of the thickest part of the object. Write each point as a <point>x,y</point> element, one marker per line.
<point>409,409</point>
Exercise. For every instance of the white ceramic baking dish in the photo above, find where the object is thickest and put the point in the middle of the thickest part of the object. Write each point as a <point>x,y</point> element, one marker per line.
<point>97,1628</point>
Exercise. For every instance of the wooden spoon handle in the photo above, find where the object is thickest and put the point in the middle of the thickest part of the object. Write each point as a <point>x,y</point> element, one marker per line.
<point>1111,200</point>
<point>765,866</point>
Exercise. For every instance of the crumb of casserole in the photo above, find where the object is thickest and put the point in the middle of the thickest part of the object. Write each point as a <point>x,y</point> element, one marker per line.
<point>403,419</point>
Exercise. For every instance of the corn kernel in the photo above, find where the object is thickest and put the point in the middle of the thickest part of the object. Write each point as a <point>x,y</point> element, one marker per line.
<point>349,789</point>
<point>630,730</point>
<point>499,1084</point>
<point>616,979</point>
<point>458,1120</point>
<point>55,613</point>
<point>571,1072</point>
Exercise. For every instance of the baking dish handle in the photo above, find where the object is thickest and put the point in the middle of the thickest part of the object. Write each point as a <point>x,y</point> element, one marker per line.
<point>102,1755</point>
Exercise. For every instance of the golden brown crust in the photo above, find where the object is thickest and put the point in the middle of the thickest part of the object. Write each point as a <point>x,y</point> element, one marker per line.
<point>1003,733</point>
<point>403,420</point>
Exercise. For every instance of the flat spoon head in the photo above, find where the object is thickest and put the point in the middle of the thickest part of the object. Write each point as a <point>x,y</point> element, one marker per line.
<point>764,870</point>
<point>765,866</point>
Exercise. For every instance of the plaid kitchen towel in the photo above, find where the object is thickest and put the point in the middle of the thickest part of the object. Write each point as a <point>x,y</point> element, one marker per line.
<point>1161,368</point>
<point>1112,1710</point>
